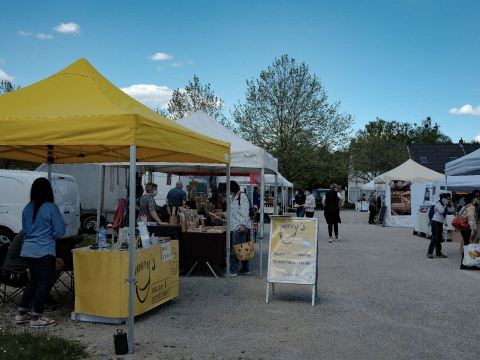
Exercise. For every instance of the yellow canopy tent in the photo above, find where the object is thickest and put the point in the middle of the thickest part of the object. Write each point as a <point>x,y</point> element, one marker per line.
<point>78,116</point>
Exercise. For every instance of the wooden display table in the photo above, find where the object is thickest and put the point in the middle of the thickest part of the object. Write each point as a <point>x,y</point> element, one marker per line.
<point>101,289</point>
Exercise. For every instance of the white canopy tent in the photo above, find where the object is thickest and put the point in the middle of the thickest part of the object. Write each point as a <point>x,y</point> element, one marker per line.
<point>465,183</point>
<point>244,155</point>
<point>466,165</point>
<point>408,171</point>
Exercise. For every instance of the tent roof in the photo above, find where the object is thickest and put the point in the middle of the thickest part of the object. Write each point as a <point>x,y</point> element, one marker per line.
<point>243,153</point>
<point>466,165</point>
<point>78,116</point>
<point>409,171</point>
<point>460,183</point>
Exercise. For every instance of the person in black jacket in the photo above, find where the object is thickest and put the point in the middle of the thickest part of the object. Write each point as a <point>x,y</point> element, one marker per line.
<point>331,205</point>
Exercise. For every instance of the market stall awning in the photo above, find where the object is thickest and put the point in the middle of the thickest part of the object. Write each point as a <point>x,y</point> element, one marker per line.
<point>466,165</point>
<point>78,116</point>
<point>409,171</point>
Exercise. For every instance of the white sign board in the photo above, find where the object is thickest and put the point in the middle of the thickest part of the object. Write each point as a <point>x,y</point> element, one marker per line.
<point>292,254</point>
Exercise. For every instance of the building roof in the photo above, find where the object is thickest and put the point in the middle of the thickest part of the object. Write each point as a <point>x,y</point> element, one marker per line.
<point>435,156</point>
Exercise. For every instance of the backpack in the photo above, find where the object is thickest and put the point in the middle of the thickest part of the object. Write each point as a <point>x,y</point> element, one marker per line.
<point>431,212</point>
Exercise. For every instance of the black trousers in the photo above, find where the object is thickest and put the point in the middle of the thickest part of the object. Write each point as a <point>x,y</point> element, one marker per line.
<point>371,216</point>
<point>436,242</point>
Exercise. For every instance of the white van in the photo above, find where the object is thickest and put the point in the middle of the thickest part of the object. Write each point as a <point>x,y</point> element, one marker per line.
<point>15,188</point>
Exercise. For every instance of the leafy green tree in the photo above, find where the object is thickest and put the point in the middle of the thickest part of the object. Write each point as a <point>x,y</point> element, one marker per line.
<point>286,111</point>
<point>7,86</point>
<point>194,97</point>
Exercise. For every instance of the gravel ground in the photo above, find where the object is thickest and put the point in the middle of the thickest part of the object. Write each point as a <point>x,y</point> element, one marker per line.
<point>379,297</point>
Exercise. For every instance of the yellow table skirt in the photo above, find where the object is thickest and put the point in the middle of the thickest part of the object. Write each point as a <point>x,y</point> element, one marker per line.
<point>100,279</point>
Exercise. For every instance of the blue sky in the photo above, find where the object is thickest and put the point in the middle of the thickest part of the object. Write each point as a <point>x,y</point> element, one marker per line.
<point>395,59</point>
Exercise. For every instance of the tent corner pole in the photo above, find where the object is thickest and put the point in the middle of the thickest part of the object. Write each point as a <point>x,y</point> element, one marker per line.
<point>262,219</point>
<point>131,248</point>
<point>227,234</point>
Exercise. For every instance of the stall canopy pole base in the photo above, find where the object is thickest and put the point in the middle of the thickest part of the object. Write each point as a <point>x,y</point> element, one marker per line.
<point>227,234</point>
<point>131,247</point>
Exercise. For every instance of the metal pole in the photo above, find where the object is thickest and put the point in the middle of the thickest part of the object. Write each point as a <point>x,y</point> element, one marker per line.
<point>227,237</point>
<point>131,247</point>
<point>275,196</point>
<point>49,172</point>
<point>262,218</point>
<point>101,183</point>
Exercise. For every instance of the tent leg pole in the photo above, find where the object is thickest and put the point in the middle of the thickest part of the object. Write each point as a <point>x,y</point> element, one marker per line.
<point>262,219</point>
<point>101,186</point>
<point>275,196</point>
<point>227,235</point>
<point>49,172</point>
<point>131,248</point>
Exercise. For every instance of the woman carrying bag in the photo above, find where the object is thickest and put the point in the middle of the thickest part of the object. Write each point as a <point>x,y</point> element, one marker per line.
<point>239,228</point>
<point>470,212</point>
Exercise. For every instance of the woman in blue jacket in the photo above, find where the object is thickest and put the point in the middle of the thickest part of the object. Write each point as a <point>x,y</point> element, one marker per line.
<point>42,223</point>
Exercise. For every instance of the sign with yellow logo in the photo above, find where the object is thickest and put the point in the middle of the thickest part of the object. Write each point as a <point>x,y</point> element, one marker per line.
<point>101,288</point>
<point>292,255</point>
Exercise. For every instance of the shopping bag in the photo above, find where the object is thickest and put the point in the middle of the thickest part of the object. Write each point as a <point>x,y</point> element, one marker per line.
<point>120,342</point>
<point>471,255</point>
<point>244,251</point>
<point>460,223</point>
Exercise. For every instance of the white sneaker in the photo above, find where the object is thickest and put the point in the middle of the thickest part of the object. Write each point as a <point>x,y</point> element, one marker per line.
<point>42,321</point>
<point>337,239</point>
<point>330,240</point>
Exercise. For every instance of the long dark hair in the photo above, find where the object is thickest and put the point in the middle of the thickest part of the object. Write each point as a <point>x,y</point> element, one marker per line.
<point>40,193</point>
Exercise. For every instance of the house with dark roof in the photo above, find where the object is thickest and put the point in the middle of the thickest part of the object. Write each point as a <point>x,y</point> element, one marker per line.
<point>434,156</point>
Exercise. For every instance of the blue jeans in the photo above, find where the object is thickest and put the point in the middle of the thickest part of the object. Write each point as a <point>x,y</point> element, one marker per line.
<point>38,286</point>
<point>301,212</point>
<point>236,237</point>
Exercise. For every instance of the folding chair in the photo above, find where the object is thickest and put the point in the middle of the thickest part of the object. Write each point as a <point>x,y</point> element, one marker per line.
<point>11,282</point>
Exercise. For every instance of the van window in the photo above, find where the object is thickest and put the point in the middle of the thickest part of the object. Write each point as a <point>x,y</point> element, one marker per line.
<point>64,190</point>
<point>13,191</point>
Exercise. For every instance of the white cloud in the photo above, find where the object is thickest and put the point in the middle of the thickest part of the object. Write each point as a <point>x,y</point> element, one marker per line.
<point>67,28</point>
<point>466,109</point>
<point>160,56</point>
<point>42,36</point>
<point>5,76</point>
<point>24,33</point>
<point>477,138</point>
<point>149,94</point>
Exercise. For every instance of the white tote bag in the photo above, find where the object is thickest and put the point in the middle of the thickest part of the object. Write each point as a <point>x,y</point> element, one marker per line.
<point>471,255</point>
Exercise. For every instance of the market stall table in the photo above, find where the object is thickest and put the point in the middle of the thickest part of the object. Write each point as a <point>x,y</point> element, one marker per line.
<point>202,246</point>
<point>173,231</point>
<point>101,290</point>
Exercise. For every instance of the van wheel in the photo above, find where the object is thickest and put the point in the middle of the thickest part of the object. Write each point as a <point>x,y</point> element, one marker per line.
<point>6,236</point>
<point>89,223</point>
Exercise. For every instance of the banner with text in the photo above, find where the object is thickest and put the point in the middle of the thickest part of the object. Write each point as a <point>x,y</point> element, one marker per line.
<point>292,254</point>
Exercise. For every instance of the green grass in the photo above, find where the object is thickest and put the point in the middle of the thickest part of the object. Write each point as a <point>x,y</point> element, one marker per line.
<point>42,346</point>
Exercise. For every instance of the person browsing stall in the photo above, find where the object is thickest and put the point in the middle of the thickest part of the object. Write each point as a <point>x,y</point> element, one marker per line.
<point>42,224</point>
<point>148,212</point>
<point>309,204</point>
<point>239,227</point>
<point>176,197</point>
<point>440,210</point>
